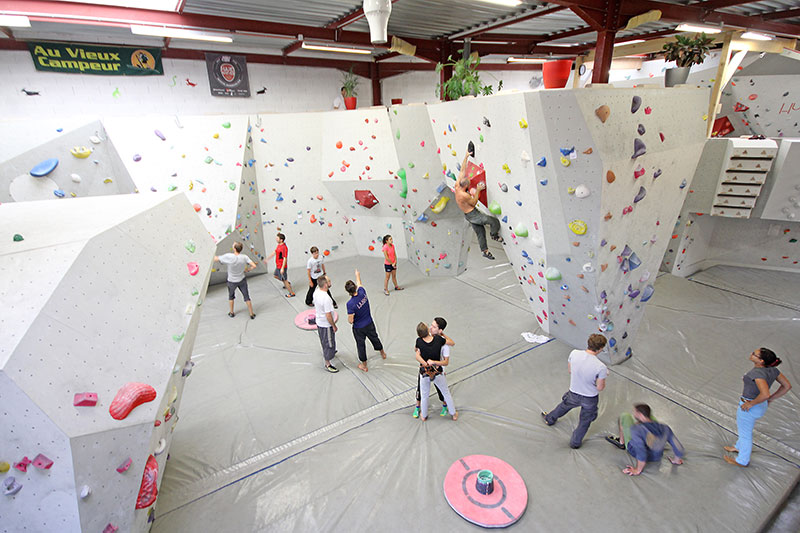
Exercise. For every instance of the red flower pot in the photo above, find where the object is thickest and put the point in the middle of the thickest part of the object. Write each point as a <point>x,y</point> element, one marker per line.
<point>397,101</point>
<point>556,73</point>
<point>350,102</point>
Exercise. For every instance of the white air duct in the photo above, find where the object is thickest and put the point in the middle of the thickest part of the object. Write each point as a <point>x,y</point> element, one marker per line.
<point>377,13</point>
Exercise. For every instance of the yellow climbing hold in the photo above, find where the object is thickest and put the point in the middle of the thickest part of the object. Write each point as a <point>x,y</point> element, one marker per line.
<point>81,152</point>
<point>578,227</point>
<point>570,190</point>
<point>107,180</point>
<point>523,123</point>
<point>440,205</point>
<point>191,185</point>
<point>216,135</point>
<point>444,167</point>
<point>565,161</point>
<point>426,175</point>
<point>453,152</point>
<point>505,167</point>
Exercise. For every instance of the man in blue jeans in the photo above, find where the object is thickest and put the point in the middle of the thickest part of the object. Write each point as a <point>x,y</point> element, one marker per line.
<point>467,202</point>
<point>645,439</point>
<point>587,378</point>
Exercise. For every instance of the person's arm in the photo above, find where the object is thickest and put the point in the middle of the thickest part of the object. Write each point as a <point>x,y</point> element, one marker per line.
<point>329,316</point>
<point>216,258</point>
<point>285,261</point>
<point>252,266</point>
<point>763,394</point>
<point>386,256</point>
<point>419,358</point>
<point>601,384</point>
<point>463,171</point>
<point>351,318</point>
<point>448,340</point>
<point>358,280</point>
<point>444,362</point>
<point>310,280</point>
<point>783,389</point>
<point>324,273</point>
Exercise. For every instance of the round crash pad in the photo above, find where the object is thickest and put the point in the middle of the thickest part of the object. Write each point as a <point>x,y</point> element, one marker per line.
<point>503,507</point>
<point>301,320</point>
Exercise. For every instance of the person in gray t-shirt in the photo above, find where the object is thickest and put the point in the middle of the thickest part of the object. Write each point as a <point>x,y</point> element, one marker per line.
<point>587,378</point>
<point>238,264</point>
<point>754,401</point>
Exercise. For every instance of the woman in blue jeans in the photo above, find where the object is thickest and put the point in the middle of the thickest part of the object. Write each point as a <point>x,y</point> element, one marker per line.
<point>754,401</point>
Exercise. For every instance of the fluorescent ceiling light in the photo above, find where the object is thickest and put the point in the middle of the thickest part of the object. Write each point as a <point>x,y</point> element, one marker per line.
<point>746,35</point>
<point>698,29</point>
<point>510,3</point>
<point>526,60</point>
<point>325,48</point>
<point>15,21</point>
<point>180,33</point>
<point>563,45</point>
<point>159,5</point>
<point>624,43</point>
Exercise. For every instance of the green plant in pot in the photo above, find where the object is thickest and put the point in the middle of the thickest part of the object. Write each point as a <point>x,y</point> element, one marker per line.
<point>465,79</point>
<point>349,85</point>
<point>685,51</point>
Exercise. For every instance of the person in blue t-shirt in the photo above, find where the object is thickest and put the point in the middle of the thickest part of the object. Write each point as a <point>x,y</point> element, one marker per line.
<point>645,439</point>
<point>363,327</point>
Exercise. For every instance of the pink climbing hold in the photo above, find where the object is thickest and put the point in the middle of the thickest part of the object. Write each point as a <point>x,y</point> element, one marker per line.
<point>125,465</point>
<point>442,256</point>
<point>149,488</point>
<point>193,267</point>
<point>110,528</point>
<point>42,462</point>
<point>22,466</point>
<point>128,397</point>
<point>85,399</point>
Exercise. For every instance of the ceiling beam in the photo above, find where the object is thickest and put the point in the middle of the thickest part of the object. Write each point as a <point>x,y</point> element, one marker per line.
<point>505,37</point>
<point>505,22</point>
<point>294,47</point>
<point>711,5</point>
<point>568,33</point>
<point>777,15</point>
<point>384,57</point>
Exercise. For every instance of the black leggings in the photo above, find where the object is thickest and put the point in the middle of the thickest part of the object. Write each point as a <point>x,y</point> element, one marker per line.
<point>310,293</point>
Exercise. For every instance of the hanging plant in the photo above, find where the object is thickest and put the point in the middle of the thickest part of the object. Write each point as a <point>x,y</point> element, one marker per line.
<point>350,83</point>
<point>688,51</point>
<point>465,79</point>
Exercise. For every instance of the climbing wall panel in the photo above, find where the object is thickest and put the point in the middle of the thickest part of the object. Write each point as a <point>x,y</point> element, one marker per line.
<point>103,320</point>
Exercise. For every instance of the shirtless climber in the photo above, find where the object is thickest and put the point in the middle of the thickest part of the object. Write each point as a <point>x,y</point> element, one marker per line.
<point>467,201</point>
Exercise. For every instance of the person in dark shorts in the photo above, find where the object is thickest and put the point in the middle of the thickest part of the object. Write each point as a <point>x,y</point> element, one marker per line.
<point>359,315</point>
<point>281,254</point>
<point>238,264</point>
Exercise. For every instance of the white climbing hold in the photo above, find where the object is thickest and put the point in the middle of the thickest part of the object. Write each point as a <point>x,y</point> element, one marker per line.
<point>582,191</point>
<point>75,178</point>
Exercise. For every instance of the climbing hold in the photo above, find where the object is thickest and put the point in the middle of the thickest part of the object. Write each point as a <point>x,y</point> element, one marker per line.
<point>471,149</point>
<point>682,185</point>
<point>148,489</point>
<point>439,206</point>
<point>232,186</point>
<point>190,245</point>
<point>634,261</point>
<point>640,195</point>
<point>661,136</point>
<point>525,157</point>
<point>602,113</point>
<point>612,342</point>
<point>137,158</point>
<point>638,173</point>
<point>4,467</point>
<point>125,465</point>
<point>59,193</point>
<point>505,219</point>
<point>565,161</point>
<point>518,186</point>
<point>44,168</point>
<point>523,123</point>
<point>128,397</point>
<point>521,230</point>
<point>503,187</point>
<point>404,184</point>
<point>566,151</point>
<point>647,293</point>
<point>81,152</point>
<point>397,134</point>
<point>636,103</point>
<point>226,125</point>
<point>639,148</point>
<point>505,167</point>
<point>94,139</point>
<point>193,267</point>
<point>587,267</point>
<point>85,399</point>
<point>365,198</point>
<point>42,462</point>
<point>552,274</point>
<point>18,238</point>
<point>543,182</point>
<point>486,122</point>
<point>610,176</point>
<point>542,162</point>
<point>640,129</point>
<point>495,208</point>
<point>22,465</point>
<point>582,191</point>
<point>10,486</point>
<point>578,227</point>
<point>657,173</point>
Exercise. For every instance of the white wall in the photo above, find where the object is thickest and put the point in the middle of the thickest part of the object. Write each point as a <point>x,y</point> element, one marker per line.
<point>418,87</point>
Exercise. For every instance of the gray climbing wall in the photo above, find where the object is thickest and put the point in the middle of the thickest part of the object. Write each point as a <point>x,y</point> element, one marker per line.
<point>88,165</point>
<point>85,311</point>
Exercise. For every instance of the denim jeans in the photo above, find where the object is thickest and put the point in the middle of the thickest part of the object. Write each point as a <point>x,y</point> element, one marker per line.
<point>745,420</point>
<point>478,220</point>
<point>569,401</point>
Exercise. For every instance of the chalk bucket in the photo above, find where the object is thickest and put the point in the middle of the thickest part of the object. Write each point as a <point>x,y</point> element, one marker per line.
<point>484,482</point>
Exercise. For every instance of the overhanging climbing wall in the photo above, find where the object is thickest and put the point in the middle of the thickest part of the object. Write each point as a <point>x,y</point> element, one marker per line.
<point>87,315</point>
<point>78,163</point>
<point>588,185</point>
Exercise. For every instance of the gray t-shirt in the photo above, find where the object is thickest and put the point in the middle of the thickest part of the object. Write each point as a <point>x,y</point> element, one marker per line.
<point>236,265</point>
<point>585,371</point>
<point>769,375</point>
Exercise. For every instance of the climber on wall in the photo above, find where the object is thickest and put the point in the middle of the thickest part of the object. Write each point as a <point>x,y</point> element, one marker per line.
<point>467,202</point>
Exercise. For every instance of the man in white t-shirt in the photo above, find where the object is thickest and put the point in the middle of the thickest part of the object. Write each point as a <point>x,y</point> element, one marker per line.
<point>238,264</point>
<point>587,378</point>
<point>316,268</point>
<point>326,326</point>
<point>338,102</point>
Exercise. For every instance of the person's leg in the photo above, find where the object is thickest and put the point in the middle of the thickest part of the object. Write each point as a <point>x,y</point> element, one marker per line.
<point>416,409</point>
<point>568,402</point>
<point>494,227</point>
<point>475,218</point>
<point>425,392</point>
<point>246,295</point>
<point>372,335</point>
<point>360,336</point>
<point>328,341</point>
<point>231,297</point>
<point>745,422</point>
<point>288,286</point>
<point>588,415</point>
<point>310,293</point>
<point>386,281</point>
<point>335,305</point>
<point>441,384</point>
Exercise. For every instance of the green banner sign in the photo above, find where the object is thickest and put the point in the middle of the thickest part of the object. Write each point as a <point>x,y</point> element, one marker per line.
<point>102,60</point>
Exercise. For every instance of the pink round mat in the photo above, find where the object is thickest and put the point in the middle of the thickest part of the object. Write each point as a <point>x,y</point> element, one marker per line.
<point>301,320</point>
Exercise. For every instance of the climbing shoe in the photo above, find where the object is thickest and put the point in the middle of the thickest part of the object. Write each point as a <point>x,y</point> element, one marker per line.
<point>416,412</point>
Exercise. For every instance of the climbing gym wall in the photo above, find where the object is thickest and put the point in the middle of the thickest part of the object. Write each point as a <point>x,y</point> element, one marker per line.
<point>93,362</point>
<point>78,163</point>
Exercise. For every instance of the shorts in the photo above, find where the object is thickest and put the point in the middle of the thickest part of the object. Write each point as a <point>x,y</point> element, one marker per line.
<point>242,286</point>
<point>388,268</point>
<point>281,275</point>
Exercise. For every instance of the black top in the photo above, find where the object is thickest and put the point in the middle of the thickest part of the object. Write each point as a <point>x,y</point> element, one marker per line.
<point>431,351</point>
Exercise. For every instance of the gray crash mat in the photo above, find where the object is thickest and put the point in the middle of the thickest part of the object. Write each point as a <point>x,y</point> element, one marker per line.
<point>269,441</point>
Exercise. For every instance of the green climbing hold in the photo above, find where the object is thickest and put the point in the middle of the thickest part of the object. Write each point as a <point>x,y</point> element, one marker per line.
<point>178,338</point>
<point>18,237</point>
<point>521,230</point>
<point>208,160</point>
<point>232,186</point>
<point>481,137</point>
<point>397,134</point>
<point>226,125</point>
<point>402,175</point>
<point>195,292</point>
<point>494,207</point>
<point>172,187</point>
<point>395,111</point>
<point>552,274</point>
<point>410,165</point>
<point>190,246</point>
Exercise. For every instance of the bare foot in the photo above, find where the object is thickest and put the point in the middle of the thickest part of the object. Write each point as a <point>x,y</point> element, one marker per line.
<point>455,416</point>
<point>363,367</point>
<point>731,449</point>
<point>423,419</point>
<point>383,354</point>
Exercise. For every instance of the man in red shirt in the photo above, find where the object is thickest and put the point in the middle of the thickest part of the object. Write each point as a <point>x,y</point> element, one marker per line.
<point>281,254</point>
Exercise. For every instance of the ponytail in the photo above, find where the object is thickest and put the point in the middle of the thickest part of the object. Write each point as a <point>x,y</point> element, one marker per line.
<point>768,357</point>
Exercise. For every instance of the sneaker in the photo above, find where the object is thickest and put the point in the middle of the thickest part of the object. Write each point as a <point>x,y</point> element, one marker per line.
<point>615,441</point>
<point>332,369</point>
<point>416,412</point>
<point>252,317</point>
<point>488,255</point>
<point>544,417</point>
<point>336,306</point>
<point>386,292</point>
<point>231,315</point>
<point>444,411</point>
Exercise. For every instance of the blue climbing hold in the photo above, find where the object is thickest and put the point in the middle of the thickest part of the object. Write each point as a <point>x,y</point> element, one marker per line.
<point>519,203</point>
<point>603,295</point>
<point>634,260</point>
<point>647,293</point>
<point>612,342</point>
<point>542,162</point>
<point>517,186</point>
<point>543,182</point>
<point>44,168</point>
<point>59,193</point>
<point>682,185</point>
<point>566,151</point>
<point>505,219</point>
<point>657,173</point>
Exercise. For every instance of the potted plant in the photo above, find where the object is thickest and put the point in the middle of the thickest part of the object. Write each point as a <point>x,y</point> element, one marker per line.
<point>465,79</point>
<point>350,84</point>
<point>685,51</point>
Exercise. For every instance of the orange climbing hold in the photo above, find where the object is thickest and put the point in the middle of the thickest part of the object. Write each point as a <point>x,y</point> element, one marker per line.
<point>128,397</point>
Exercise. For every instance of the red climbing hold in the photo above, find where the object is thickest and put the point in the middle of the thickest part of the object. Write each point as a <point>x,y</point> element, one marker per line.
<point>365,198</point>
<point>193,267</point>
<point>85,399</point>
<point>477,175</point>
<point>149,488</point>
<point>128,397</point>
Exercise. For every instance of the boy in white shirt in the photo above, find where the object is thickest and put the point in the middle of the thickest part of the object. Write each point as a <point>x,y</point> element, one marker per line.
<point>316,269</point>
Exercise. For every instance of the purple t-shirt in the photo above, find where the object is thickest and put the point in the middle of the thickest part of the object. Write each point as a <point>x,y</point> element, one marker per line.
<point>358,306</point>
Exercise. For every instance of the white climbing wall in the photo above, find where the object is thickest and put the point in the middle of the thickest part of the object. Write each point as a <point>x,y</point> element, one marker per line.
<point>100,172</point>
<point>97,294</point>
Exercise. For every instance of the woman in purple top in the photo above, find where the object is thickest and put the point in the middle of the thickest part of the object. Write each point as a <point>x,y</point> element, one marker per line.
<point>754,400</point>
<point>363,327</point>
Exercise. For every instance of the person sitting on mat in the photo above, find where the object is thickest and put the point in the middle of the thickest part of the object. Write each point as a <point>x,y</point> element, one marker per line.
<point>237,267</point>
<point>467,201</point>
<point>281,254</point>
<point>645,439</point>
<point>316,268</point>
<point>428,351</point>
<point>437,328</point>
<point>363,326</point>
